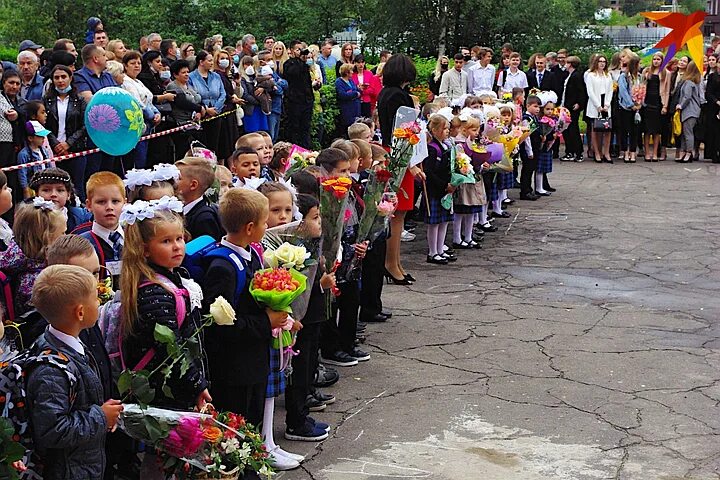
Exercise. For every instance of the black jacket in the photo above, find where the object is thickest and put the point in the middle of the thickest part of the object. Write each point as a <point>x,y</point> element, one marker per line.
<point>238,354</point>
<point>389,100</point>
<point>157,306</point>
<point>575,91</point>
<point>69,434</point>
<point>535,139</point>
<point>549,81</point>
<point>297,74</point>
<point>712,92</point>
<point>437,168</point>
<point>74,122</point>
<point>203,219</point>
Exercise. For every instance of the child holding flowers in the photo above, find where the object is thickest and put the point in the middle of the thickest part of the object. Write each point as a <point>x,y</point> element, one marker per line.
<point>547,137</point>
<point>469,197</point>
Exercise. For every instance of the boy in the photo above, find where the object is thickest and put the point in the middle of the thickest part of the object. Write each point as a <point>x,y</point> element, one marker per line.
<point>34,150</point>
<point>69,422</point>
<point>244,163</point>
<point>201,218</point>
<point>105,199</point>
<point>224,177</point>
<point>365,157</point>
<point>257,142</point>
<point>238,354</point>
<point>513,77</point>
<point>360,131</point>
<point>529,150</point>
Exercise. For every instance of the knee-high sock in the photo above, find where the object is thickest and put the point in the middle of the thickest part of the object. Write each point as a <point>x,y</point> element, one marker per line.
<point>476,218</point>
<point>267,428</point>
<point>468,228</point>
<point>497,205</point>
<point>539,183</point>
<point>483,215</point>
<point>432,235</point>
<point>458,227</point>
<point>442,231</point>
<point>503,195</point>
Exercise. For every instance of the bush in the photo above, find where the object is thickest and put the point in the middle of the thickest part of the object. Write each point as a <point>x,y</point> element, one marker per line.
<point>424,67</point>
<point>322,127</point>
<point>8,54</point>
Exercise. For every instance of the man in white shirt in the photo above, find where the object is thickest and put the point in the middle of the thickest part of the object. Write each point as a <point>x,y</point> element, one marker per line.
<point>515,78</point>
<point>482,75</point>
<point>454,83</point>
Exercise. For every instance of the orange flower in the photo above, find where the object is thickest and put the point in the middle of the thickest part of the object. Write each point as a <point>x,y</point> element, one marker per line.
<point>401,133</point>
<point>414,139</point>
<point>212,434</point>
<point>345,181</point>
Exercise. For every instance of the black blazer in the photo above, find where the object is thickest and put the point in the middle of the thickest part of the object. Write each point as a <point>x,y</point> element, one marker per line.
<point>389,100</point>
<point>548,81</point>
<point>712,92</point>
<point>203,219</point>
<point>535,139</point>
<point>575,91</point>
<point>74,121</point>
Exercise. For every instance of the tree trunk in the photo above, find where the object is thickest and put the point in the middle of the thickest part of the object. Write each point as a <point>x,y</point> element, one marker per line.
<point>442,38</point>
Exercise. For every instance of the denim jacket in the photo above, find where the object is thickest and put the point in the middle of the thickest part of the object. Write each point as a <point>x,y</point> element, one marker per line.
<point>212,91</point>
<point>277,95</point>
<point>625,92</point>
<point>28,155</point>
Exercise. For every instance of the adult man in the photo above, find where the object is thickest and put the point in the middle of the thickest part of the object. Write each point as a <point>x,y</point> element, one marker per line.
<point>574,98</point>
<point>513,77</point>
<point>65,45</point>
<point>249,45</point>
<point>326,60</point>
<point>154,41</point>
<point>506,48</point>
<point>32,82</point>
<point>143,44</point>
<point>454,83</point>
<point>551,58</point>
<point>100,38</point>
<point>467,58</point>
<point>31,46</point>
<point>541,77</point>
<point>169,50</point>
<point>299,98</point>
<point>269,43</point>
<point>482,75</point>
<point>562,55</point>
<point>92,76</point>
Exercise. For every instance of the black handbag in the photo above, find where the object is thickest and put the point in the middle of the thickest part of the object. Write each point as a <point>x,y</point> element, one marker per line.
<point>604,123</point>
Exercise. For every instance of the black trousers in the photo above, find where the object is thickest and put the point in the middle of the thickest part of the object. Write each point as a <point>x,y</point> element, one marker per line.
<point>371,285</point>
<point>303,373</point>
<point>573,141</point>
<point>299,116</point>
<point>628,130</point>
<point>526,175</point>
<point>339,331</point>
<point>246,400</point>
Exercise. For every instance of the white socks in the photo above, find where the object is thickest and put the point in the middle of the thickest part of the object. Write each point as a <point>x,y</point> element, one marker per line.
<point>432,240</point>
<point>458,223</point>
<point>468,228</point>
<point>483,215</point>
<point>267,426</point>
<point>442,231</point>
<point>280,459</point>
<point>497,206</point>
<point>539,182</point>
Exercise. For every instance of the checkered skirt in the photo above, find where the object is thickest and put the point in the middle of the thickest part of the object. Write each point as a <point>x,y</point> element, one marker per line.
<point>276,378</point>
<point>545,162</point>
<point>505,181</point>
<point>437,213</point>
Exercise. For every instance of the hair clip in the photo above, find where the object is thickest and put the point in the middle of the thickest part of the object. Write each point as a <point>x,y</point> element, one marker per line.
<point>39,202</point>
<point>164,172</point>
<point>141,210</point>
<point>252,183</point>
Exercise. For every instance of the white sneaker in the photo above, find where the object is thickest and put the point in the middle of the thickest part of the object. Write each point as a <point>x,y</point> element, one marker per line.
<point>280,462</point>
<point>292,456</point>
<point>407,236</point>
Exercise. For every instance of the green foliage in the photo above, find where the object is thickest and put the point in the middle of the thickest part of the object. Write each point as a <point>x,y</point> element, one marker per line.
<point>324,119</point>
<point>424,67</point>
<point>8,54</point>
<point>618,19</point>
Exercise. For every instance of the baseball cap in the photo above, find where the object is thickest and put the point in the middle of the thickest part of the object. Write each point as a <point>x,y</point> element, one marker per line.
<point>28,45</point>
<point>33,127</point>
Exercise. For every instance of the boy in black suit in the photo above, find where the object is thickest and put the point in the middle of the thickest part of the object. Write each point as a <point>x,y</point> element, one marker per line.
<point>201,218</point>
<point>529,150</point>
<point>574,98</point>
<point>238,354</point>
<point>541,78</point>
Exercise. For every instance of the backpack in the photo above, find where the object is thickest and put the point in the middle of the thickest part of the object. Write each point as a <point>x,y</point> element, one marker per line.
<point>7,297</point>
<point>13,398</point>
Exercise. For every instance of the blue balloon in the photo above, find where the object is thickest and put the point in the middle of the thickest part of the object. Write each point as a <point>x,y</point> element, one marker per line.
<point>114,121</point>
<point>496,151</point>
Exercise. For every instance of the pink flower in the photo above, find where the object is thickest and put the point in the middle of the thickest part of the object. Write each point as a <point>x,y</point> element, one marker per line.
<point>185,439</point>
<point>103,118</point>
<point>385,208</point>
<point>347,216</point>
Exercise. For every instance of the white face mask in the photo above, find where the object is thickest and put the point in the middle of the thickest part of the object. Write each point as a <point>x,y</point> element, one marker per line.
<point>224,63</point>
<point>165,75</point>
<point>250,70</point>
<point>271,64</point>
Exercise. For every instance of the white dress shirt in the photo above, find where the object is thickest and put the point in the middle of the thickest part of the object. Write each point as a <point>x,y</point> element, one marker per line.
<point>481,78</point>
<point>68,340</point>
<point>62,106</point>
<point>104,233</point>
<point>515,79</point>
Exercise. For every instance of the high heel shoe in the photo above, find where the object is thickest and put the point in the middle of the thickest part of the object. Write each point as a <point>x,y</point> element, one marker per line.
<point>410,278</point>
<point>396,281</point>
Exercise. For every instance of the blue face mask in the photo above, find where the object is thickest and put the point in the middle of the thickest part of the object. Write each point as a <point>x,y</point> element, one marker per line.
<point>356,52</point>
<point>236,59</point>
<point>254,48</point>
<point>64,90</point>
<point>165,75</point>
<point>309,61</point>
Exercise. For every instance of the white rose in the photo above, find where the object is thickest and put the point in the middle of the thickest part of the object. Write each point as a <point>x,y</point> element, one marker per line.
<point>222,312</point>
<point>287,256</point>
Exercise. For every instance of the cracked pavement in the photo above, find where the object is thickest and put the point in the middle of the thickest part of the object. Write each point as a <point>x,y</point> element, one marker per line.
<point>582,342</point>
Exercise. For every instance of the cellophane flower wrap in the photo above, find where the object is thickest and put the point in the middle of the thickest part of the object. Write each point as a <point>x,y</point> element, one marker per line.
<point>333,202</point>
<point>461,169</point>
<point>277,287</point>
<point>405,137</point>
<point>369,228</point>
<point>189,444</point>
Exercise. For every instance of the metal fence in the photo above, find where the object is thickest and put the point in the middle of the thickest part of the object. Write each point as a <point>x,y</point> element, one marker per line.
<point>634,36</point>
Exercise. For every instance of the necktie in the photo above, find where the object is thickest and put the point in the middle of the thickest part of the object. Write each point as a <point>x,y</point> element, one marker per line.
<point>540,75</point>
<point>117,244</point>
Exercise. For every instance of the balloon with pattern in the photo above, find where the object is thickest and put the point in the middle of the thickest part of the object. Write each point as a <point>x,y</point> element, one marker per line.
<point>114,121</point>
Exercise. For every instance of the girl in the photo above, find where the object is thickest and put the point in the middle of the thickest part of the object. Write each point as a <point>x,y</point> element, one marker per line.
<point>545,155</point>
<point>469,197</point>
<point>656,102</point>
<point>36,147</point>
<point>505,180</point>
<point>37,225</point>
<point>280,201</point>
<point>151,184</point>
<point>279,163</point>
<point>628,108</point>
<point>55,185</point>
<point>437,170</point>
<point>6,204</point>
<point>689,106</point>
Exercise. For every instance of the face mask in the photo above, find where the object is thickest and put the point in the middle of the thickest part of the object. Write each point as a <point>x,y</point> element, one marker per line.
<point>254,48</point>
<point>224,63</point>
<point>309,61</point>
<point>443,67</point>
<point>64,90</point>
<point>467,58</point>
<point>236,59</point>
<point>165,75</point>
<point>356,52</point>
<point>271,64</point>
<point>250,71</point>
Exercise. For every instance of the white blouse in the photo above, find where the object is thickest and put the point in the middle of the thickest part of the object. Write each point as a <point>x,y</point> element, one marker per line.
<point>138,90</point>
<point>598,85</point>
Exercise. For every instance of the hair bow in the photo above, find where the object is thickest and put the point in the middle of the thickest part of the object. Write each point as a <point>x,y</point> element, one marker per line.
<point>142,210</point>
<point>39,202</point>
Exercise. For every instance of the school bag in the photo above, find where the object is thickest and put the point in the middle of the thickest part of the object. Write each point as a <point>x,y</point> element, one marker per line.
<point>13,398</point>
<point>7,297</point>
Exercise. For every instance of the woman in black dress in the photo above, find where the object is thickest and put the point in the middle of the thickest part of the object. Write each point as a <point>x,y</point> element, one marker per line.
<point>655,106</point>
<point>712,96</point>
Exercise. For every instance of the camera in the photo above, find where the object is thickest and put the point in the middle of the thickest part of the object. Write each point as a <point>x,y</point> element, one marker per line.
<point>305,52</point>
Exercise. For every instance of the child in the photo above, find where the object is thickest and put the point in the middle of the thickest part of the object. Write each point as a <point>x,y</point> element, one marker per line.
<point>437,171</point>
<point>265,81</point>
<point>545,153</point>
<point>54,184</point>
<point>37,225</point>
<point>300,426</point>
<point>268,151</point>
<point>36,149</point>
<point>512,77</point>
<point>529,149</point>
<point>244,163</point>
<point>144,184</point>
<point>365,157</point>
<point>105,200</point>
<point>201,218</point>
<point>305,183</point>
<point>280,160</point>
<point>238,354</point>
<point>224,177</point>
<point>151,280</point>
<point>255,141</point>
<point>360,131</point>
<point>379,156</point>
<point>469,197</point>
<point>6,204</point>
<point>505,180</point>
<point>69,422</point>
<point>352,152</point>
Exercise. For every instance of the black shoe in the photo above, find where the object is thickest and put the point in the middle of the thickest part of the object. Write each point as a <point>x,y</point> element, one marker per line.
<point>542,194</point>
<point>579,158</point>
<point>516,185</point>
<point>339,358</point>
<point>488,228</point>
<point>477,231</point>
<point>462,246</point>
<point>396,281</point>
<point>314,405</point>
<point>448,250</point>
<point>388,313</point>
<point>362,326</point>
<point>568,158</point>
<point>529,196</point>
<point>549,189</point>
<point>379,318</point>
<point>607,160</point>
<point>437,260</point>
<point>326,398</point>
<point>409,278</point>
<point>325,377</point>
<point>359,355</point>
<point>500,215</point>
<point>450,257</point>
<point>507,201</point>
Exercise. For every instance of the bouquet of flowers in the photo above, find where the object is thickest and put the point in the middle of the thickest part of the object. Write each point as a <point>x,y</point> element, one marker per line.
<point>547,125</point>
<point>374,206</point>
<point>333,202</point>
<point>406,135</point>
<point>300,158</point>
<point>222,445</point>
<point>105,290</point>
<point>638,92</point>
<point>563,117</point>
<point>461,169</point>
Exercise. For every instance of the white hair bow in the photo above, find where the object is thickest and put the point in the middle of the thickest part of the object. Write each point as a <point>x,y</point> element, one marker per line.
<point>141,210</point>
<point>39,202</point>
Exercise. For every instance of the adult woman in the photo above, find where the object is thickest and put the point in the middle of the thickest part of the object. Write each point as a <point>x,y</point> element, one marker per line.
<point>628,108</point>
<point>279,55</point>
<point>599,89</point>
<point>617,65</point>
<point>441,66</point>
<point>186,108</point>
<point>348,98</point>
<point>8,116</point>
<point>210,87</point>
<point>689,106</point>
<point>66,120</point>
<point>398,73</point>
<point>712,96</point>
<point>347,55</point>
<point>703,133</point>
<point>228,124</point>
<point>11,83</point>
<point>187,50</point>
<point>368,85</point>
<point>160,149</point>
<point>254,119</point>
<point>675,79</point>
<point>132,61</point>
<point>656,100</point>
<point>117,48</point>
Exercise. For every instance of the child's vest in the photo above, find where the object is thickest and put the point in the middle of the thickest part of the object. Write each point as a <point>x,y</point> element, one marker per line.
<point>13,398</point>
<point>110,323</point>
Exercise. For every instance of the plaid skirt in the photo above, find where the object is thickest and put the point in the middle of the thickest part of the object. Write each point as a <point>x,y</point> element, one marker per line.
<point>545,162</point>
<point>491,189</point>
<point>505,181</point>
<point>276,378</point>
<point>437,213</point>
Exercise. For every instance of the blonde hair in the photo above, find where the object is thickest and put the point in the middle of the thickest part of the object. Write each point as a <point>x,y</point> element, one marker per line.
<point>59,288</point>
<point>114,67</point>
<point>67,247</point>
<point>103,179</point>
<point>506,109</point>
<point>221,170</point>
<point>363,147</point>
<point>244,141</point>
<point>472,122</point>
<point>197,169</point>
<point>135,267</point>
<point>240,206</point>
<point>279,60</point>
<point>692,73</point>
<point>216,56</point>
<point>378,152</point>
<point>34,227</point>
<point>357,130</point>
<point>346,69</point>
<point>348,147</point>
<point>435,122</point>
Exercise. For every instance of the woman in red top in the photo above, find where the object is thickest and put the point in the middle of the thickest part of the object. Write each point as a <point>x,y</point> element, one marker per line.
<point>369,86</point>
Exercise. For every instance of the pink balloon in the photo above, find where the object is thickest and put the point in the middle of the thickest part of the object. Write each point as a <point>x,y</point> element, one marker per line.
<point>496,151</point>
